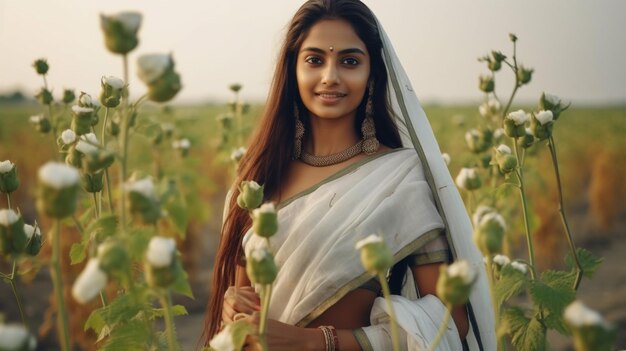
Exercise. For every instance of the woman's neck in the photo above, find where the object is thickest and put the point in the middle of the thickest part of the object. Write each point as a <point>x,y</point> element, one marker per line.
<point>330,136</point>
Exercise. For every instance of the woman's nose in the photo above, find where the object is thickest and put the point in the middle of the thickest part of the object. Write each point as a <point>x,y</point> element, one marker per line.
<point>330,75</point>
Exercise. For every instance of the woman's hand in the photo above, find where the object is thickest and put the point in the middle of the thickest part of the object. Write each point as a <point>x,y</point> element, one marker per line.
<point>239,300</point>
<point>285,337</point>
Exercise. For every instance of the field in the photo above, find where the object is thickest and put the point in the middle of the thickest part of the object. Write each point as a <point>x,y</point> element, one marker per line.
<point>590,147</point>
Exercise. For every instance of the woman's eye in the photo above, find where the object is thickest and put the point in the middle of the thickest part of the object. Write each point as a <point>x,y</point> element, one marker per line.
<point>351,61</point>
<point>313,60</point>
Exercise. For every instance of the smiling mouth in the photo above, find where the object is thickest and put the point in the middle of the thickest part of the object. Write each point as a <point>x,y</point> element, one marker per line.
<point>330,95</point>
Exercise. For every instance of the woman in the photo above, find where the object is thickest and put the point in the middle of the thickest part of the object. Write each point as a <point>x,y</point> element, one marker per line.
<point>345,150</point>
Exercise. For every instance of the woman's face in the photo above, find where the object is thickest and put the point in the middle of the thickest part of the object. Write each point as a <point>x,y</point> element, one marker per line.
<point>332,70</point>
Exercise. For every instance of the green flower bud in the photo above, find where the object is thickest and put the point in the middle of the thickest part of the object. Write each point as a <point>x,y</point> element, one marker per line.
<point>524,74</point>
<point>541,124</point>
<point>506,161</point>
<point>142,200</point>
<point>74,157</point>
<point>226,120</point>
<point>13,239</point>
<point>58,189</point>
<point>113,128</point>
<point>486,84</point>
<point>265,220</point>
<point>489,231</point>
<point>235,87</point>
<point>9,182</point>
<point>250,196</point>
<point>514,124</point>
<point>168,129</point>
<point>41,66</point>
<point>41,123</point>
<point>527,140</point>
<point>111,91</point>
<point>468,179</point>
<point>455,283</point>
<point>82,119</point>
<point>479,140</point>
<point>375,256</point>
<point>113,256</point>
<point>35,241</point>
<point>84,100</point>
<point>589,330</point>
<point>44,96</point>
<point>96,161</point>
<point>513,37</point>
<point>92,182</point>
<point>182,146</point>
<point>157,72</point>
<point>261,267</point>
<point>552,103</point>
<point>120,31</point>
<point>68,96</point>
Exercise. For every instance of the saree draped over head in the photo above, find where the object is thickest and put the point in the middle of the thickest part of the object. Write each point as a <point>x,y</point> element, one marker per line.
<point>405,195</point>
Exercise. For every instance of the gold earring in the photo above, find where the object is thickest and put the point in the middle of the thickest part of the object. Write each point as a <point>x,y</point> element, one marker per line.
<point>370,143</point>
<point>299,133</point>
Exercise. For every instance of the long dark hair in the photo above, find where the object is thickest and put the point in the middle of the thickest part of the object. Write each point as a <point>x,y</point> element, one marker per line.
<point>271,147</point>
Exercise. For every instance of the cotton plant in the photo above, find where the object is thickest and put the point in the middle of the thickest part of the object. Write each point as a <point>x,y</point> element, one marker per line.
<point>15,337</point>
<point>233,127</point>
<point>500,163</point>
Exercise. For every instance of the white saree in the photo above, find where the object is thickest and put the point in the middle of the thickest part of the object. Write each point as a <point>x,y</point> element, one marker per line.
<point>407,196</point>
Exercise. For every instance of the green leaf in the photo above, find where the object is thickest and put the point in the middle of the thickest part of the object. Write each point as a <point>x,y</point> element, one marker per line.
<point>527,334</point>
<point>554,291</point>
<point>95,322</point>
<point>137,243</point>
<point>78,252</point>
<point>179,310</point>
<point>181,284</point>
<point>511,283</point>
<point>239,330</point>
<point>587,260</point>
<point>103,227</point>
<point>132,335</point>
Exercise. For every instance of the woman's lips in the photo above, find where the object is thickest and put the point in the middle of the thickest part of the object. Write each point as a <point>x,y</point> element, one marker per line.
<point>330,97</point>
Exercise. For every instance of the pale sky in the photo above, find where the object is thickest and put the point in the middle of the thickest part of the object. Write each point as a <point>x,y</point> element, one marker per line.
<point>577,47</point>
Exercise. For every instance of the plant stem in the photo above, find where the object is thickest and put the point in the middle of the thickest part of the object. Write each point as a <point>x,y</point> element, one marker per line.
<point>95,203</point>
<point>442,329</point>
<point>520,175</point>
<point>78,226</point>
<point>9,200</point>
<point>16,293</point>
<point>394,323</point>
<point>266,292</point>
<point>106,177</point>
<point>496,304</point>
<point>166,303</point>
<point>57,280</point>
<point>124,144</point>
<point>579,269</point>
<point>517,85</point>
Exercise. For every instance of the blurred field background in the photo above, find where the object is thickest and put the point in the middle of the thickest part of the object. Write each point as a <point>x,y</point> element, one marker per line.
<point>590,145</point>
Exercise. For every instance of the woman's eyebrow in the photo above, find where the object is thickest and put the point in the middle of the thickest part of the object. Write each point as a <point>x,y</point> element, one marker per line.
<point>340,52</point>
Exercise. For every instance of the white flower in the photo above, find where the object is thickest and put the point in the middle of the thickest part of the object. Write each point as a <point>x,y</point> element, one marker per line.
<point>6,166</point>
<point>30,230</point>
<point>494,104</point>
<point>462,270</point>
<point>223,341</point>
<point>237,154</point>
<point>181,144</point>
<point>129,20</point>
<point>519,117</point>
<point>498,133</point>
<point>114,82</point>
<point>579,315</point>
<point>371,239</point>
<point>258,254</point>
<point>59,175</point>
<point>254,185</point>
<point>480,212</point>
<point>87,143</point>
<point>152,66</point>
<point>521,267</point>
<point>464,175</point>
<point>446,158</point>
<point>266,208</point>
<point>504,149</point>
<point>501,260</point>
<point>143,186</point>
<point>492,216</point>
<point>8,217</point>
<point>78,110</point>
<point>544,116</point>
<point>13,336</point>
<point>552,99</point>
<point>483,109</point>
<point>89,282</point>
<point>161,251</point>
<point>35,119</point>
<point>85,99</point>
<point>68,136</point>
<point>489,107</point>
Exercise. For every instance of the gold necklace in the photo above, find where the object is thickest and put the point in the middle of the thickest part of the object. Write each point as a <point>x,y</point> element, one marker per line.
<point>323,161</point>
